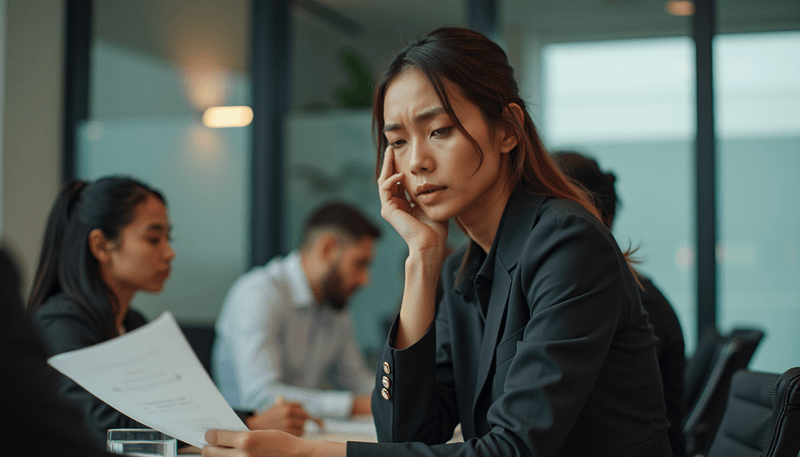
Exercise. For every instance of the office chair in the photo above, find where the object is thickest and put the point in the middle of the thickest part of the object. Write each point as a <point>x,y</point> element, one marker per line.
<point>201,339</point>
<point>699,366</point>
<point>704,416</point>
<point>762,416</point>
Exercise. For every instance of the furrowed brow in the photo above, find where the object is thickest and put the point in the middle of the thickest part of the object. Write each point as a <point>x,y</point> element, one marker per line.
<point>419,118</point>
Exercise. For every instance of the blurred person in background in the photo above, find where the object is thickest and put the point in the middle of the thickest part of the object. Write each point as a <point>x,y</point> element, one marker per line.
<point>104,242</point>
<point>34,417</point>
<point>284,331</point>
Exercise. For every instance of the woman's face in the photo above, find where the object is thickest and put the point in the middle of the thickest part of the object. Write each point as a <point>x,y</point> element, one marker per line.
<point>141,258</point>
<point>443,172</point>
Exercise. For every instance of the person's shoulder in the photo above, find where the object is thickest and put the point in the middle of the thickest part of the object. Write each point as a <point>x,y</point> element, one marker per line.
<point>264,275</point>
<point>65,324</point>
<point>655,302</point>
<point>560,218</point>
<point>60,306</point>
<point>566,232</point>
<point>565,209</point>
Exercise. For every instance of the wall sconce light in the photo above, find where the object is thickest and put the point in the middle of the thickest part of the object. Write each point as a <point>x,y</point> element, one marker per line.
<point>679,8</point>
<point>227,116</point>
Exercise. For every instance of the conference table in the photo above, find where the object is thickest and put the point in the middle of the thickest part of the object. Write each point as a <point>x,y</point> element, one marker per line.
<point>360,428</point>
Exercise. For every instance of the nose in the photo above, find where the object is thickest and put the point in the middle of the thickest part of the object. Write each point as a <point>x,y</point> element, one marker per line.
<point>364,280</point>
<point>170,253</point>
<point>421,159</point>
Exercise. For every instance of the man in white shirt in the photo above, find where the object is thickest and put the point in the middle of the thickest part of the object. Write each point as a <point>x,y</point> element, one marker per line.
<point>284,332</point>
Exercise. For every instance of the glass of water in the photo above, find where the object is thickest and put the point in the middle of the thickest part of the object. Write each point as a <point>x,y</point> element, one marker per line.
<point>141,442</point>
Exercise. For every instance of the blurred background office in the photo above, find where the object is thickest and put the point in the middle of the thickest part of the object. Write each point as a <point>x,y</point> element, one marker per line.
<point>711,188</point>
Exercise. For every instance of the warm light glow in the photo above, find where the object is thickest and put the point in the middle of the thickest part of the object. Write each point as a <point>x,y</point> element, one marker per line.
<point>679,7</point>
<point>206,84</point>
<point>228,116</point>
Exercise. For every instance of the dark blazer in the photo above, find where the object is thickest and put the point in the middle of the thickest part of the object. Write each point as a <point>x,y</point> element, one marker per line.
<point>671,359</point>
<point>66,326</point>
<point>34,419</point>
<point>542,348</point>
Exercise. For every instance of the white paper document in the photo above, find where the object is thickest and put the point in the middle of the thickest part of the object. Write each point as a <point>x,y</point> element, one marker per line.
<point>153,376</point>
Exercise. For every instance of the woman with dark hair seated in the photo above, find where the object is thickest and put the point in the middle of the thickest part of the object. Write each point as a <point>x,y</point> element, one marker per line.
<point>539,345</point>
<point>104,242</point>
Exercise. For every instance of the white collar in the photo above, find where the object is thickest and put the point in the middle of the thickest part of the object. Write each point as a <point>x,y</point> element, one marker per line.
<point>302,295</point>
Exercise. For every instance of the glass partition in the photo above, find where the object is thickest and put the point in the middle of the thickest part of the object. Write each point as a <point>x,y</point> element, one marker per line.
<point>757,80</point>
<point>155,68</point>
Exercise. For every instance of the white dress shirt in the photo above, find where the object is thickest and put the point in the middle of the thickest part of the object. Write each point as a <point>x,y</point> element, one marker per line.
<point>274,339</point>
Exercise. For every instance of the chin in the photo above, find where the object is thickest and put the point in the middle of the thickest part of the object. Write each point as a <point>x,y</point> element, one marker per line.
<point>154,288</point>
<point>438,213</point>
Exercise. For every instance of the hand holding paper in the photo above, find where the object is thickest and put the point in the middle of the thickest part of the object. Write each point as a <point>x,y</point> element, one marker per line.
<point>153,376</point>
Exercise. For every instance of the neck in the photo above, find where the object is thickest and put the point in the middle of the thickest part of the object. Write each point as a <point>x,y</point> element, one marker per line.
<point>124,301</point>
<point>314,279</point>
<point>123,294</point>
<point>482,219</point>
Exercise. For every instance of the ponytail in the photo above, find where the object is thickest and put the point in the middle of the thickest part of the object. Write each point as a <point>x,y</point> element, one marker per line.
<point>46,283</point>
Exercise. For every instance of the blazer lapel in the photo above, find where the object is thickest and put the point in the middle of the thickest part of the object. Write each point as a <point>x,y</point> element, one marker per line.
<point>518,219</point>
<point>496,311</point>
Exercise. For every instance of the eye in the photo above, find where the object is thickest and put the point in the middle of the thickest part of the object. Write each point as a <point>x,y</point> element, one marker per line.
<point>441,132</point>
<point>397,143</point>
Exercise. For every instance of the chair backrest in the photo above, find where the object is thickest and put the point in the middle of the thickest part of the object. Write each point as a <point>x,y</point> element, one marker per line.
<point>762,416</point>
<point>705,414</point>
<point>699,366</point>
<point>201,339</point>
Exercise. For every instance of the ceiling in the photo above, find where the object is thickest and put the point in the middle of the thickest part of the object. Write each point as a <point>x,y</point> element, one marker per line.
<point>173,29</point>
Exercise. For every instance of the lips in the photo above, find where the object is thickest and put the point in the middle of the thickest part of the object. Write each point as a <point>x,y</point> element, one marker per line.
<point>428,189</point>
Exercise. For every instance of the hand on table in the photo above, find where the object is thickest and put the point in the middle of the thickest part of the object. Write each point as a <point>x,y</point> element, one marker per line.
<point>286,416</point>
<point>362,405</point>
<point>267,443</point>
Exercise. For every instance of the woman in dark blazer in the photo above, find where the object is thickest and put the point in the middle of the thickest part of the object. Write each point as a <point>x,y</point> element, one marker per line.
<point>104,242</point>
<point>539,346</point>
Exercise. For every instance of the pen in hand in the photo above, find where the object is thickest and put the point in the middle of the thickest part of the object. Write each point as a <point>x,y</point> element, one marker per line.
<point>303,414</point>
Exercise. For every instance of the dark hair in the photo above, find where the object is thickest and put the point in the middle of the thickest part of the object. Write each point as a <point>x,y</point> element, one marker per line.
<point>342,218</point>
<point>586,172</point>
<point>66,263</point>
<point>479,69</point>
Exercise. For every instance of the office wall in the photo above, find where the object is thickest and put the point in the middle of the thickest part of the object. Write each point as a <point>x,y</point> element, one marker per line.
<point>31,141</point>
<point>204,174</point>
<point>143,125</point>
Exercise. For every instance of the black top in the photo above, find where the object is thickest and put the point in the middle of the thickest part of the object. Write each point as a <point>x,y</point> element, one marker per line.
<point>66,326</point>
<point>542,349</point>
<point>34,419</point>
<point>671,359</point>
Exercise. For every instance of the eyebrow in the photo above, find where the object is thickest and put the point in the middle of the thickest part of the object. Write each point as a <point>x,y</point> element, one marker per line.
<point>421,117</point>
<point>159,227</point>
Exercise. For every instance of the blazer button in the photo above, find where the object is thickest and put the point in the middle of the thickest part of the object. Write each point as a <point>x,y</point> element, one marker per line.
<point>386,368</point>
<point>385,394</point>
<point>386,383</point>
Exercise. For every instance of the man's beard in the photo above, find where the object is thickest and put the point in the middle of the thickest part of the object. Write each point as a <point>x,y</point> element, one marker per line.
<point>332,289</point>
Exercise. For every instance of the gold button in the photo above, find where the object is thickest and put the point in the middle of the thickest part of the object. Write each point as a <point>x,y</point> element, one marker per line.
<point>386,368</point>
<point>386,383</point>
<point>385,394</point>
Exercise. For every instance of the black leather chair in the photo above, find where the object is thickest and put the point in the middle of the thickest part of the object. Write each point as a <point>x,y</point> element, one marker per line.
<point>732,352</point>
<point>762,416</point>
<point>201,339</point>
<point>699,366</point>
